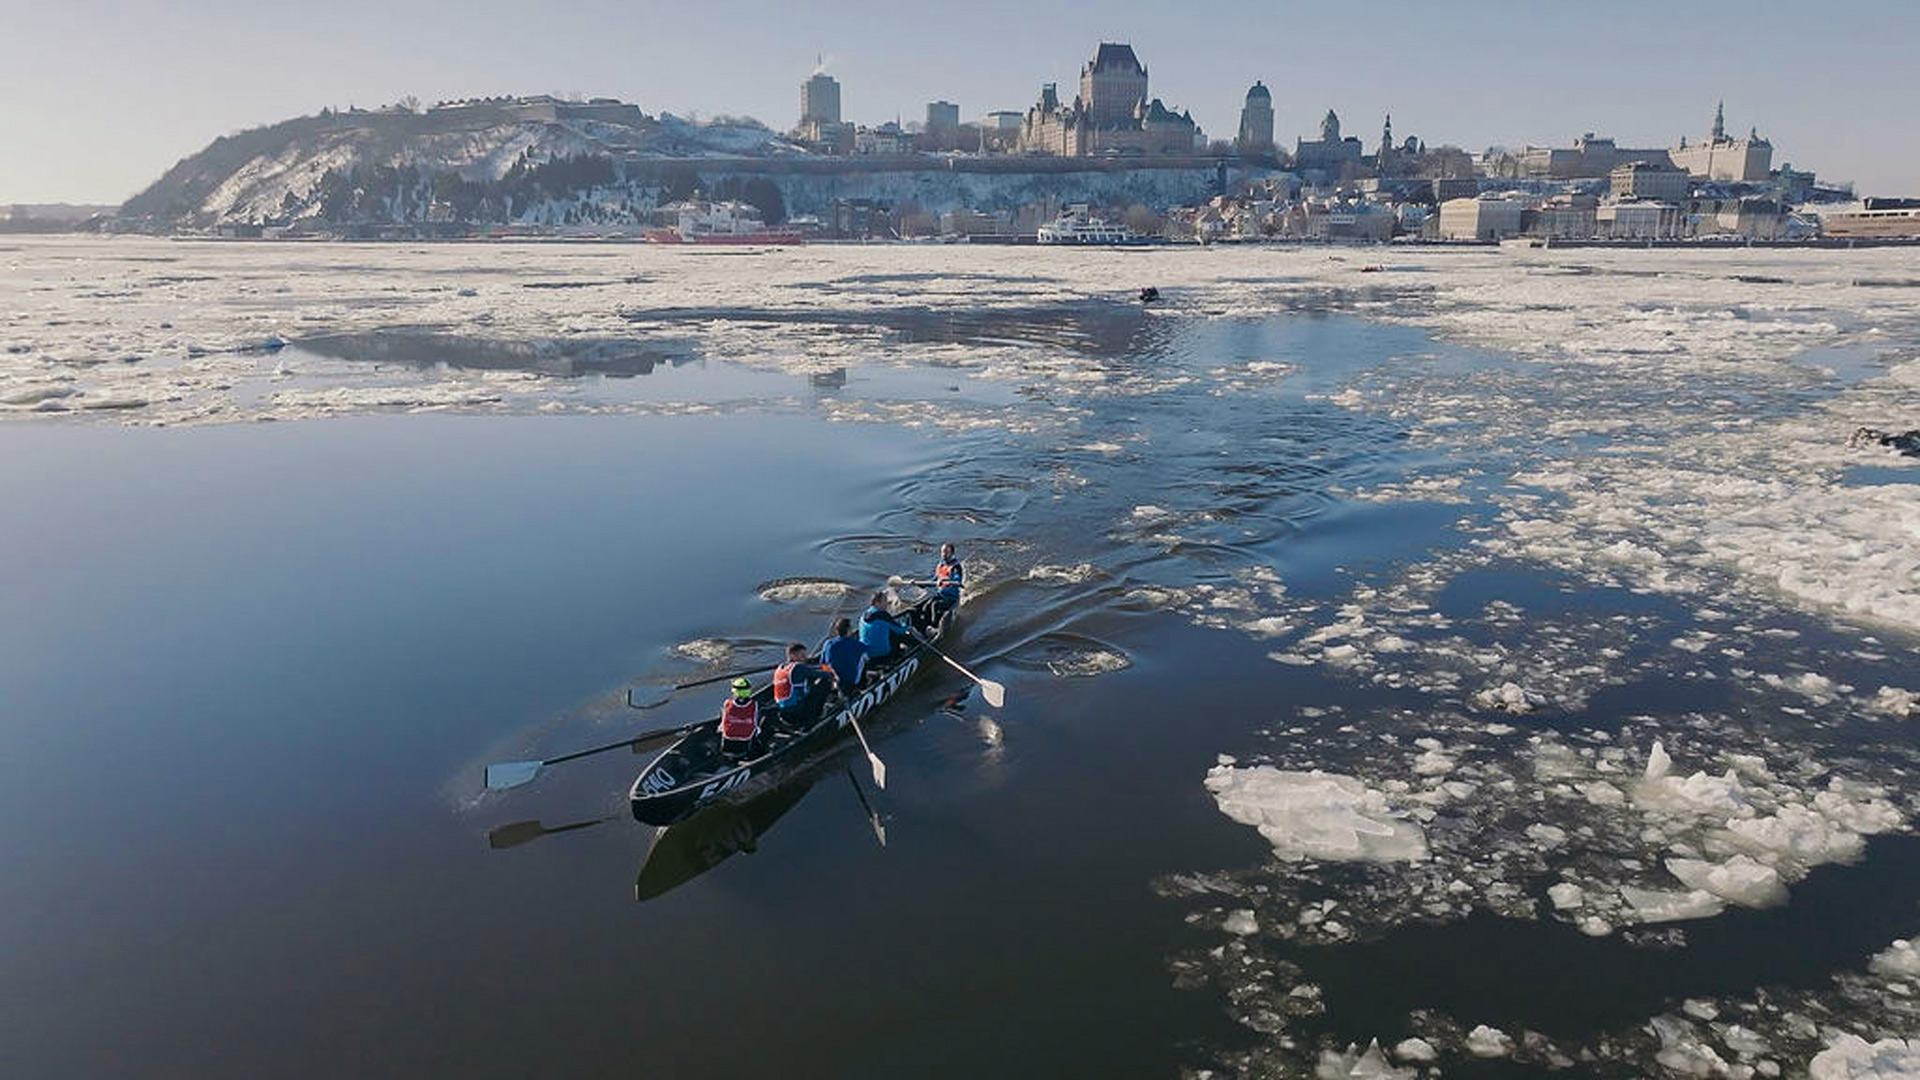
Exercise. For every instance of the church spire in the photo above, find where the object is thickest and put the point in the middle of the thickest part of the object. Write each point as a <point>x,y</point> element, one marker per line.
<point>1720,121</point>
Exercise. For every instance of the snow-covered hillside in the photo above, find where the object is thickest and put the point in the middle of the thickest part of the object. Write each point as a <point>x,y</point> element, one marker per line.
<point>274,173</point>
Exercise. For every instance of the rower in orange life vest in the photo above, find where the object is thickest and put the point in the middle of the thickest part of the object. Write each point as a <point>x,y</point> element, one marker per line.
<point>799,688</point>
<point>949,577</point>
<point>739,718</point>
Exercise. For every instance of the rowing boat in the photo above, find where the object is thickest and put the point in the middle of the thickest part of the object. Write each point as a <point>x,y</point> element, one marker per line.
<point>696,771</point>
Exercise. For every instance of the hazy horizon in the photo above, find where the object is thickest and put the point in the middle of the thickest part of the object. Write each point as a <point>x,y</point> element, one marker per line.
<point>99,98</point>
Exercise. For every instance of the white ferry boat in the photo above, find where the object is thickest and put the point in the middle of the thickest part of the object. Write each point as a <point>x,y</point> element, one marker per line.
<point>1078,226</point>
<point>1875,218</point>
<point>701,222</point>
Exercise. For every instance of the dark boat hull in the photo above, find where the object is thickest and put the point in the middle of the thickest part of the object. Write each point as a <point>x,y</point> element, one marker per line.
<point>691,775</point>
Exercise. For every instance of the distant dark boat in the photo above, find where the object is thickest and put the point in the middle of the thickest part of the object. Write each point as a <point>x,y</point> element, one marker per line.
<point>696,772</point>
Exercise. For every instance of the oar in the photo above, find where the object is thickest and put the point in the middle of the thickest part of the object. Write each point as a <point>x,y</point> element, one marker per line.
<point>994,693</point>
<point>511,774</point>
<point>690,685</point>
<point>520,832</point>
<point>879,767</point>
<point>879,830</point>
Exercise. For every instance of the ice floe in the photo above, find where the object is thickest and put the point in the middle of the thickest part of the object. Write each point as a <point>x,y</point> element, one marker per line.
<point>1315,815</point>
<point>1850,1057</point>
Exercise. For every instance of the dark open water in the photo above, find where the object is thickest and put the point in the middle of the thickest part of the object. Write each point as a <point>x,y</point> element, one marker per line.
<point>251,675</point>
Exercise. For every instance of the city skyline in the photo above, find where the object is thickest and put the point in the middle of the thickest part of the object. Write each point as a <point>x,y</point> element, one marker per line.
<point>1834,95</point>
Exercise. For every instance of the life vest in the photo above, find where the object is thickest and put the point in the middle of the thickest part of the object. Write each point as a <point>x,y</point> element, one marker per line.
<point>739,720</point>
<point>948,575</point>
<point>783,682</point>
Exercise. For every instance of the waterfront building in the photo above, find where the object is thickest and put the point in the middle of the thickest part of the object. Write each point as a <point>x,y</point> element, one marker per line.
<point>1750,219</point>
<point>1005,120</point>
<point>1488,217</point>
<point>1330,155</point>
<point>1590,156</point>
<point>1565,217</point>
<point>1638,219</point>
<point>1742,160</point>
<point>1256,122</point>
<point>1346,220</point>
<point>1447,188</point>
<point>942,116</point>
<point>1111,115</point>
<point>1647,180</point>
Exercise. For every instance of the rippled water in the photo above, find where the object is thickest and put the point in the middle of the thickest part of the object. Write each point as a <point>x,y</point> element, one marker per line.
<point>1476,532</point>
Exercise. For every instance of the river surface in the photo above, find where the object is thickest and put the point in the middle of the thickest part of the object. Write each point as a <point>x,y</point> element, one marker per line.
<point>1507,655</point>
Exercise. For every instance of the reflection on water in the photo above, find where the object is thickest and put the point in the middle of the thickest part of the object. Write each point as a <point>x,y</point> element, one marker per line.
<point>515,833</point>
<point>559,357</point>
<point>1093,328</point>
<point>684,851</point>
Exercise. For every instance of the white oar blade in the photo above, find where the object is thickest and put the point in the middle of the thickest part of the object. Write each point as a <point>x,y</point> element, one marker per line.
<point>993,692</point>
<point>879,831</point>
<point>879,771</point>
<point>511,774</point>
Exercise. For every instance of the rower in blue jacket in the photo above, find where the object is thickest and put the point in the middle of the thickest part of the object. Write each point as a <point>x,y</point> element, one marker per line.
<point>880,630</point>
<point>846,655</point>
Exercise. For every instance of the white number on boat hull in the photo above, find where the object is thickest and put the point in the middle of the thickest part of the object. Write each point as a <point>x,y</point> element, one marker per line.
<point>725,783</point>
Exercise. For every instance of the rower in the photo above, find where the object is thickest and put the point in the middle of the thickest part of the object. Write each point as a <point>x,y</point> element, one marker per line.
<point>879,628</point>
<point>799,687</point>
<point>845,655</point>
<point>948,579</point>
<point>739,719</point>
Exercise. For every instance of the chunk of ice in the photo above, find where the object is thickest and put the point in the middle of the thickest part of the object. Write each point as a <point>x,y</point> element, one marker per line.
<point>1739,880</point>
<point>1657,906</point>
<point>1489,1042</point>
<point>1566,895</point>
<point>1893,701</point>
<point>1241,922</point>
<point>1316,815</point>
<point>1356,1064</point>
<point>1850,1057</point>
<point>1900,959</point>
<point>1415,1049</point>
<point>1551,836</point>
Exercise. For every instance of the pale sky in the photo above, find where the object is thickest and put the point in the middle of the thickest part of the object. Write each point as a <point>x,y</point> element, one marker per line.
<point>98,97</point>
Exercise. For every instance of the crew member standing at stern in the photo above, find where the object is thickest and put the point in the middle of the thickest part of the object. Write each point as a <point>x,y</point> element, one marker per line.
<point>949,577</point>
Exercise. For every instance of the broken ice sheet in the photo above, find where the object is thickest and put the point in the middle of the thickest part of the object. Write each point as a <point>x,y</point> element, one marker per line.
<point>1315,815</point>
